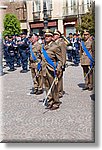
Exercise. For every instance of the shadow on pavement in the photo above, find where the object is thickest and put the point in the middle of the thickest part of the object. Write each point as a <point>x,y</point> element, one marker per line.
<point>4,73</point>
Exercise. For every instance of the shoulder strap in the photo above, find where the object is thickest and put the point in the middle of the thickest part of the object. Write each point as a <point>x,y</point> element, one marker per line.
<point>49,60</point>
<point>31,52</point>
<point>87,53</point>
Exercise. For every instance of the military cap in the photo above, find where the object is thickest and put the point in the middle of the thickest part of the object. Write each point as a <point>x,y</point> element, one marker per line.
<point>74,34</point>
<point>23,33</point>
<point>30,35</point>
<point>42,37</point>
<point>57,32</point>
<point>86,32</point>
<point>48,32</point>
<point>70,33</point>
<point>16,35</point>
<point>10,37</point>
<point>35,34</point>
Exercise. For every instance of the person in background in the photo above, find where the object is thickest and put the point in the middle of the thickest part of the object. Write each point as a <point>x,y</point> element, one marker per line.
<point>86,62</point>
<point>23,46</point>
<point>69,47</point>
<point>61,44</point>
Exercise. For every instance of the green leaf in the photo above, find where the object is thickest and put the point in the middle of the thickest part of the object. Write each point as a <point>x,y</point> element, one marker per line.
<point>11,25</point>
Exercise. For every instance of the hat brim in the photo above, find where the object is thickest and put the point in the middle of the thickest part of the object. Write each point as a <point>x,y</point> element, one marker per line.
<point>50,34</point>
<point>56,33</point>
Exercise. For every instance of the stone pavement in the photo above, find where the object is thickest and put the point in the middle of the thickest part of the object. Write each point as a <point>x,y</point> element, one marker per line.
<point>23,118</point>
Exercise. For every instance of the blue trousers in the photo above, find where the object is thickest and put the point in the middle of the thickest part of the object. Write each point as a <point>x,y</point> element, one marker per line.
<point>24,59</point>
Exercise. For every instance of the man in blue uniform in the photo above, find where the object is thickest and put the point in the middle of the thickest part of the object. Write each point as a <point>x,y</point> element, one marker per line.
<point>16,52</point>
<point>5,48</point>
<point>69,47</point>
<point>23,46</point>
<point>75,51</point>
<point>10,51</point>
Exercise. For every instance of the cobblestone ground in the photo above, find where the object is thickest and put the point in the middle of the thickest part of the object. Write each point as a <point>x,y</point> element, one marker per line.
<point>24,119</point>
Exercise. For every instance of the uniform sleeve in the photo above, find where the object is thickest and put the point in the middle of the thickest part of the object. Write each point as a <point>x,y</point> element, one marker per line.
<point>63,51</point>
<point>59,58</point>
<point>93,49</point>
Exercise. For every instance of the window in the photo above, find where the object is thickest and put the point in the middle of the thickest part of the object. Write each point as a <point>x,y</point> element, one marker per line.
<point>47,4</point>
<point>47,8</point>
<point>36,9</point>
<point>37,4</point>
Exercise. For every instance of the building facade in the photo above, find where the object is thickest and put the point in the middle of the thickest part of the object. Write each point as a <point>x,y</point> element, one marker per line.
<point>34,15</point>
<point>18,7</point>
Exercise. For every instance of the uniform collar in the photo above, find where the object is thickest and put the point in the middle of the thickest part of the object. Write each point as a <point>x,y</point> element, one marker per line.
<point>50,43</point>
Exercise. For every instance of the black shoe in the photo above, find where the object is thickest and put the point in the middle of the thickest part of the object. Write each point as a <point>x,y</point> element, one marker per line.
<point>85,88</point>
<point>58,103</point>
<point>18,65</point>
<point>60,95</point>
<point>23,71</point>
<point>33,91</point>
<point>48,105</point>
<point>11,69</point>
<point>54,107</point>
<point>39,92</point>
<point>90,89</point>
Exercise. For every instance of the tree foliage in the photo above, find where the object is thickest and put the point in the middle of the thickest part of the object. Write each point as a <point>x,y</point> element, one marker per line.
<point>88,21</point>
<point>11,25</point>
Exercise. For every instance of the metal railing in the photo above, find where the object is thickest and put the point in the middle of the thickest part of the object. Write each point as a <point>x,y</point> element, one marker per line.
<point>46,13</point>
<point>49,13</point>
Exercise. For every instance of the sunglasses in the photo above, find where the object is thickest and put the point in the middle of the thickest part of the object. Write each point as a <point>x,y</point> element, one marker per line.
<point>86,34</point>
<point>48,36</point>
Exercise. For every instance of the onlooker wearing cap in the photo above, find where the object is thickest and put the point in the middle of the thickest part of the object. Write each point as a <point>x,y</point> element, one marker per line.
<point>51,71</point>
<point>85,61</point>
<point>61,44</point>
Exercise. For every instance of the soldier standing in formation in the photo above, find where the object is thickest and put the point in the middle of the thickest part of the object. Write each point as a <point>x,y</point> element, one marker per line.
<point>5,47</point>
<point>69,47</point>
<point>51,67</point>
<point>85,60</point>
<point>75,50</point>
<point>23,46</point>
<point>61,44</point>
<point>10,52</point>
<point>16,52</point>
<point>35,65</point>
